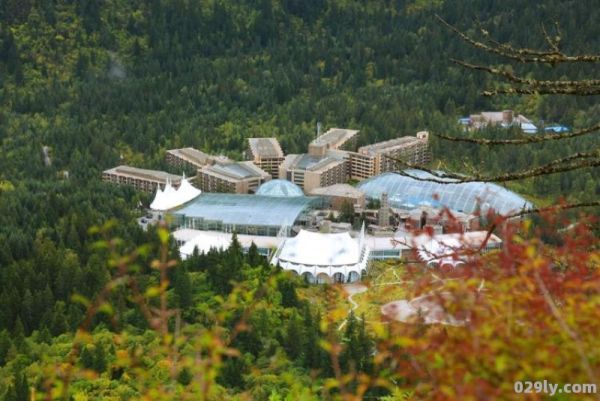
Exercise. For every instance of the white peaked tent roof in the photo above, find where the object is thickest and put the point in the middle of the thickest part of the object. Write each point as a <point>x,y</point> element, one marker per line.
<point>170,197</point>
<point>310,248</point>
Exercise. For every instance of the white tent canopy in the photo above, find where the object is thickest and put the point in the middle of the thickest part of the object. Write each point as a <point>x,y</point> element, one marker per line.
<point>338,256</point>
<point>170,198</point>
<point>451,249</point>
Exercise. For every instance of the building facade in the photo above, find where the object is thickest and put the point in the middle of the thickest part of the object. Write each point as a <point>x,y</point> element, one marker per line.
<point>338,194</point>
<point>141,179</point>
<point>309,172</point>
<point>333,139</point>
<point>266,153</point>
<point>378,158</point>
<point>504,118</point>
<point>192,158</point>
<point>234,177</point>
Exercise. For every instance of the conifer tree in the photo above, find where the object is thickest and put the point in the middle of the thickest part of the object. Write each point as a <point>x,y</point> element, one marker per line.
<point>182,286</point>
<point>253,257</point>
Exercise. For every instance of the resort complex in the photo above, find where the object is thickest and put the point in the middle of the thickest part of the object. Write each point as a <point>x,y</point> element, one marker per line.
<point>302,213</point>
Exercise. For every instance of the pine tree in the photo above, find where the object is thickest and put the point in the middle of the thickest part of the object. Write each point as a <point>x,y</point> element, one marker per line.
<point>58,324</point>
<point>86,358</point>
<point>19,389</point>
<point>312,349</point>
<point>182,286</point>
<point>5,344</point>
<point>293,331</point>
<point>253,257</point>
<point>287,288</point>
<point>99,359</point>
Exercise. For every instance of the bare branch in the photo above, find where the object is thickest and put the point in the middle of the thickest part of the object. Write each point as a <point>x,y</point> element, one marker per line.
<point>522,55</point>
<point>551,42</point>
<point>569,163</point>
<point>544,91</point>
<point>565,206</point>
<point>588,83</point>
<point>520,141</point>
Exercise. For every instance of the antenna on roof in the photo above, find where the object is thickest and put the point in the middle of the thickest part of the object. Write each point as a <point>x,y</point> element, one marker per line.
<point>318,129</point>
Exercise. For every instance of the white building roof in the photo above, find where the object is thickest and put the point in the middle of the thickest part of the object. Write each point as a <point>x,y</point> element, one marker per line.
<point>206,240</point>
<point>170,197</point>
<point>311,248</point>
<point>449,249</point>
<point>318,254</point>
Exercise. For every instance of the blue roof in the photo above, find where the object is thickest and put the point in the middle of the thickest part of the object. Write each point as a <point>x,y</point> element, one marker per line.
<point>557,128</point>
<point>250,210</point>
<point>463,197</point>
<point>279,188</point>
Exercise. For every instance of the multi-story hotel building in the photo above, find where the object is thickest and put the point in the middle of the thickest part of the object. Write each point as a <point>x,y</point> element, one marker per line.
<point>309,171</point>
<point>192,158</point>
<point>232,177</point>
<point>140,179</point>
<point>333,139</point>
<point>378,158</point>
<point>266,153</point>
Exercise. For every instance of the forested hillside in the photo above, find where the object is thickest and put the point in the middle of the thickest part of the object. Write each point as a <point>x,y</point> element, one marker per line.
<point>104,82</point>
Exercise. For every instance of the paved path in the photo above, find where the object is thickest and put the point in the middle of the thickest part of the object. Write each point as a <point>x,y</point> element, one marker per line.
<point>351,290</point>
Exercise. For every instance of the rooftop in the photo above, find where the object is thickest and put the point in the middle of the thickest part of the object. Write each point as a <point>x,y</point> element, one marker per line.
<point>338,190</point>
<point>381,147</point>
<point>309,162</point>
<point>405,193</point>
<point>251,210</point>
<point>335,137</point>
<point>192,155</point>
<point>140,173</point>
<point>337,249</point>
<point>205,240</point>
<point>265,147</point>
<point>170,198</point>
<point>279,188</point>
<point>235,170</point>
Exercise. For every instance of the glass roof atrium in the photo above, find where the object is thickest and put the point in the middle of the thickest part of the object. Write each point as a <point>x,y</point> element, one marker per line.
<point>408,193</point>
<point>244,214</point>
<point>279,188</point>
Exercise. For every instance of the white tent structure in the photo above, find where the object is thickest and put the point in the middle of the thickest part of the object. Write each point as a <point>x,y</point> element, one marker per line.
<point>440,252</point>
<point>170,198</point>
<point>324,258</point>
<point>452,249</point>
<point>204,241</point>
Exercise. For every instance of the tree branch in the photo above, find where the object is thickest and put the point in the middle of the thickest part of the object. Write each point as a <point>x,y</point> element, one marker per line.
<point>536,83</point>
<point>522,55</point>
<point>520,141</point>
<point>569,163</point>
<point>544,91</point>
<point>565,206</point>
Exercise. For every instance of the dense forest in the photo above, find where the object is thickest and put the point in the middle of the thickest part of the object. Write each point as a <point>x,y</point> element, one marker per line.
<point>86,85</point>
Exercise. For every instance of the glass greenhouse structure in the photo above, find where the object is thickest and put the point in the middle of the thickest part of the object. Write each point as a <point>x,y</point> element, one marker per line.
<point>244,214</point>
<point>279,188</point>
<point>408,193</point>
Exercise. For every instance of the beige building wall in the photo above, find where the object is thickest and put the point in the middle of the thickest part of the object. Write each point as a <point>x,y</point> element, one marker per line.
<point>142,181</point>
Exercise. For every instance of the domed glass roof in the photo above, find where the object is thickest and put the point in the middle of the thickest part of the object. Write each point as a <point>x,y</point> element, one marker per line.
<point>279,188</point>
<point>463,197</point>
